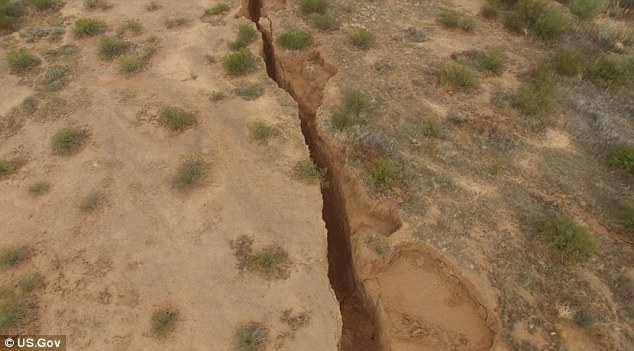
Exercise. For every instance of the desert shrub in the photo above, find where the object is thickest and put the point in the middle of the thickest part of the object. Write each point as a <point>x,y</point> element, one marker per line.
<point>250,91</point>
<point>313,6</point>
<point>89,27</point>
<point>307,171</point>
<point>152,6</point>
<point>452,19</point>
<point>252,336</point>
<point>341,119</point>
<point>14,311</point>
<point>97,4</point>
<point>459,75</point>
<point>627,217</point>
<point>613,32</point>
<point>112,47</point>
<point>538,96</point>
<point>42,4</point>
<point>55,77</point>
<point>10,12</point>
<point>13,256</point>
<point>490,9</point>
<point>91,202</point>
<point>571,241</point>
<point>176,119</point>
<point>623,158</point>
<point>588,8</point>
<point>217,9</point>
<point>239,63</point>
<point>540,17</point>
<point>190,174</point>
<point>174,22</point>
<point>7,167</point>
<point>270,262</point>
<point>612,71</point>
<point>377,243</point>
<point>30,282</point>
<point>21,61</point>
<point>324,22</point>
<point>295,40</point>
<point>383,174</point>
<point>39,188</point>
<point>433,127</point>
<point>361,38</point>
<point>356,101</point>
<point>130,25</point>
<point>68,140</point>
<point>131,63</point>
<point>217,96</point>
<point>494,59</point>
<point>163,322</point>
<point>246,35</point>
<point>261,130</point>
<point>569,63</point>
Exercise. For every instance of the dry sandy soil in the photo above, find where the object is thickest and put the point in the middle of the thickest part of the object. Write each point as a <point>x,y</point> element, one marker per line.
<point>450,259</point>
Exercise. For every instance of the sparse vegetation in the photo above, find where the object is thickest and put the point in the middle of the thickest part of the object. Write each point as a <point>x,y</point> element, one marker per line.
<point>262,130</point>
<point>14,311</point>
<point>21,61</point>
<point>91,202</point>
<point>217,9</point>
<point>39,188</point>
<point>361,38</point>
<point>10,13</point>
<point>356,101</point>
<point>377,244</point>
<point>252,336</point>
<point>7,167</point>
<point>295,40</point>
<point>493,59</point>
<point>313,6</point>
<point>490,9</point>
<point>572,242</point>
<point>250,91</point>
<point>41,5</point>
<point>68,140</point>
<point>176,119</point>
<point>177,21</point>
<point>217,96</point>
<point>30,282</point>
<point>246,35</point>
<point>459,75</point>
<point>383,174</point>
<point>307,171</point>
<point>112,47</point>
<point>239,63</point>
<point>134,62</point>
<point>324,22</point>
<point>627,217</point>
<point>588,8</point>
<point>163,322</point>
<point>612,71</point>
<point>97,4</point>
<point>433,127</point>
<point>190,174</point>
<point>89,27</point>
<point>569,63</point>
<point>13,256</point>
<point>452,19</point>
<point>272,261</point>
<point>623,158</point>
<point>130,25</point>
<point>539,17</point>
<point>55,77</point>
<point>152,6</point>
<point>537,97</point>
<point>341,119</point>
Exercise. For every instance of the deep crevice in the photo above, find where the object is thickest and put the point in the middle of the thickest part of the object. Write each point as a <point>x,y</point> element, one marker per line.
<point>358,323</point>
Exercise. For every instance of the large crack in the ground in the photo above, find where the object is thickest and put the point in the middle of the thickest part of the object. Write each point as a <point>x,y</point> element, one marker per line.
<point>359,327</point>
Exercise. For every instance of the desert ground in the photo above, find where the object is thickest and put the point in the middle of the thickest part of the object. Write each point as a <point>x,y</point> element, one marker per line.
<point>318,175</point>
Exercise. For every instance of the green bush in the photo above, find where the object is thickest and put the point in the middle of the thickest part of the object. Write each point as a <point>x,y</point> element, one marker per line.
<point>94,4</point>
<point>623,158</point>
<point>356,101</point>
<point>588,8</point>
<point>459,75</point>
<point>569,63</point>
<point>252,336</point>
<point>91,202</point>
<point>341,119</point>
<point>612,71</point>
<point>261,130</point>
<point>540,17</point>
<point>295,40</point>
<point>10,12</point>
<point>42,4</point>
<point>537,97</point>
<point>383,173</point>
<point>14,312</point>
<point>269,262</point>
<point>68,140</point>
<point>246,35</point>
<point>494,59</point>
<point>21,61</point>
<point>361,38</point>
<point>176,119</point>
<point>89,27</point>
<point>112,47</point>
<point>324,22</point>
<point>217,9</point>
<point>163,322</point>
<point>239,63</point>
<point>13,256</point>
<point>39,188</point>
<point>130,63</point>
<point>190,174</point>
<point>490,9</point>
<point>130,25</point>
<point>313,6</point>
<point>572,242</point>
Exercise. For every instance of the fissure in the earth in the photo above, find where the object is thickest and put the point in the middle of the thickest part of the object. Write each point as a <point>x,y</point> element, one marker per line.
<point>358,323</point>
